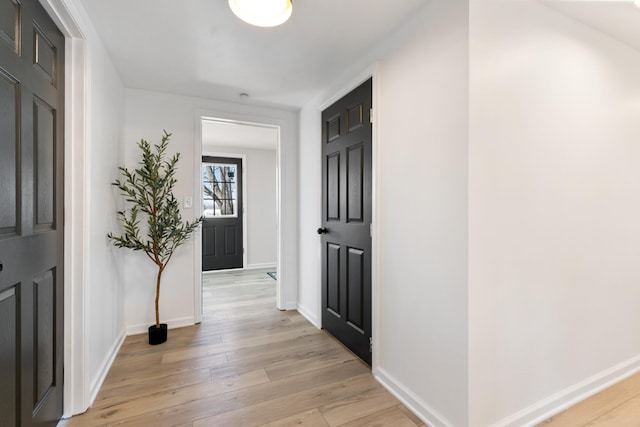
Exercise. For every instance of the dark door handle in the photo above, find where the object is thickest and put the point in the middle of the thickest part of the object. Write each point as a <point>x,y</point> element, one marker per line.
<point>322,230</point>
<point>1,266</point>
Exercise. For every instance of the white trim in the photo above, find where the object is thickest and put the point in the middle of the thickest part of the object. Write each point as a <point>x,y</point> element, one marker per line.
<point>273,265</point>
<point>352,84</point>
<point>286,164</point>
<point>226,270</point>
<point>309,316</point>
<point>143,328</point>
<point>375,304</point>
<point>558,402</point>
<point>245,198</point>
<point>104,368</point>
<point>196,237</point>
<point>65,15</point>
<point>76,388</point>
<point>428,415</point>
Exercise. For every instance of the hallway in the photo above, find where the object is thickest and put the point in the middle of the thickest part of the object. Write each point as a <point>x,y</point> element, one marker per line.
<point>247,364</point>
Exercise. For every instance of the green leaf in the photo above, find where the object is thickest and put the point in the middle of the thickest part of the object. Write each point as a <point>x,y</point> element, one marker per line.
<point>148,190</point>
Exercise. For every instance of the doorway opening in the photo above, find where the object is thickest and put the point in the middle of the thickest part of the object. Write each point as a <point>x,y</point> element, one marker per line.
<point>239,197</point>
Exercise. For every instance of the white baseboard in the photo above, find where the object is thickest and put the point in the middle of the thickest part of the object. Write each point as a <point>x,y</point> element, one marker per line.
<point>290,305</point>
<point>307,315</point>
<point>261,265</point>
<point>96,383</point>
<point>558,402</point>
<point>527,417</point>
<point>427,414</point>
<point>274,266</point>
<point>172,323</point>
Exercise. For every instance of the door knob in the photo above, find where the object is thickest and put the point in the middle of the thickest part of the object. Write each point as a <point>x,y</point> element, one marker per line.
<point>322,230</point>
<point>1,266</point>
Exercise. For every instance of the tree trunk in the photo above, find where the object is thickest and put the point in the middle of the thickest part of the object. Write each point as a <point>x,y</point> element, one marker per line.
<point>160,269</point>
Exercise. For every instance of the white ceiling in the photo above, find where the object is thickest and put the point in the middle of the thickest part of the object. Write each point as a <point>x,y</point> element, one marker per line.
<point>236,135</point>
<point>199,48</point>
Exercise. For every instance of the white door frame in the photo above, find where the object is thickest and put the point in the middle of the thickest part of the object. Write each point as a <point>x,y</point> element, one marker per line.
<point>198,208</point>
<point>72,22</point>
<point>286,200</point>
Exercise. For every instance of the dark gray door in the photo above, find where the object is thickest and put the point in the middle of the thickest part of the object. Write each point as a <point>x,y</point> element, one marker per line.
<point>222,246</point>
<point>346,220</point>
<point>31,215</point>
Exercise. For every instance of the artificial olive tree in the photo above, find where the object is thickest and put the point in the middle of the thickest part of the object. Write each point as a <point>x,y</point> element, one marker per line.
<point>149,191</point>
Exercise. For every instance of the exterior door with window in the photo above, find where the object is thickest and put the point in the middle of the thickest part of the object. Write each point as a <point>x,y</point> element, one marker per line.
<point>31,215</point>
<point>222,246</point>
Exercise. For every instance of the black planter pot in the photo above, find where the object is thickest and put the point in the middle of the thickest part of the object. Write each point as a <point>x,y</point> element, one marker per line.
<point>157,335</point>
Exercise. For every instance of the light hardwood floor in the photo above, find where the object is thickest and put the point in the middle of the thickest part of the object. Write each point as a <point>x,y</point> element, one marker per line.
<point>617,406</point>
<point>247,364</point>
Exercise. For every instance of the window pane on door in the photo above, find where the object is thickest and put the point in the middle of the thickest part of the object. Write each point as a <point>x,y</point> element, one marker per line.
<point>219,190</point>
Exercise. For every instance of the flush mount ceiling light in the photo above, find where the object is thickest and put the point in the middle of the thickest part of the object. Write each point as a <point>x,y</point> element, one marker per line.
<point>262,13</point>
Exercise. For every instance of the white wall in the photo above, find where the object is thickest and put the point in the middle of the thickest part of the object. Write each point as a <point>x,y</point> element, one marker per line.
<point>105,267</point>
<point>259,203</point>
<point>146,114</point>
<point>309,213</point>
<point>422,221</point>
<point>94,296</point>
<point>420,332</point>
<point>553,211</point>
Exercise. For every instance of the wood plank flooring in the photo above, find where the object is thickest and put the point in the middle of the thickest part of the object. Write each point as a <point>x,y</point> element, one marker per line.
<point>247,364</point>
<point>617,406</point>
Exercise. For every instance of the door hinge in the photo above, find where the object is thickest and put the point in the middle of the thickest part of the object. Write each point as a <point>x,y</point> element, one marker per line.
<point>371,115</point>
<point>371,230</point>
<point>370,344</point>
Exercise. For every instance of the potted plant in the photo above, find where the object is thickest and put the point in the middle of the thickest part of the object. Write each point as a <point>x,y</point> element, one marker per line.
<point>149,191</point>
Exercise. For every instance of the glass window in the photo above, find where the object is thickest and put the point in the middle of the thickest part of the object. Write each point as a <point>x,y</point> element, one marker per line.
<point>219,190</point>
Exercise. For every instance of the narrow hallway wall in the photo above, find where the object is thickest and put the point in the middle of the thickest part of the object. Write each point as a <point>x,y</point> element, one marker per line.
<point>553,211</point>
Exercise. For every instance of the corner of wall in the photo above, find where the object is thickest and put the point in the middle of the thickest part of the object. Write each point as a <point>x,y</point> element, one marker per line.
<point>564,399</point>
<point>420,408</point>
<point>308,314</point>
